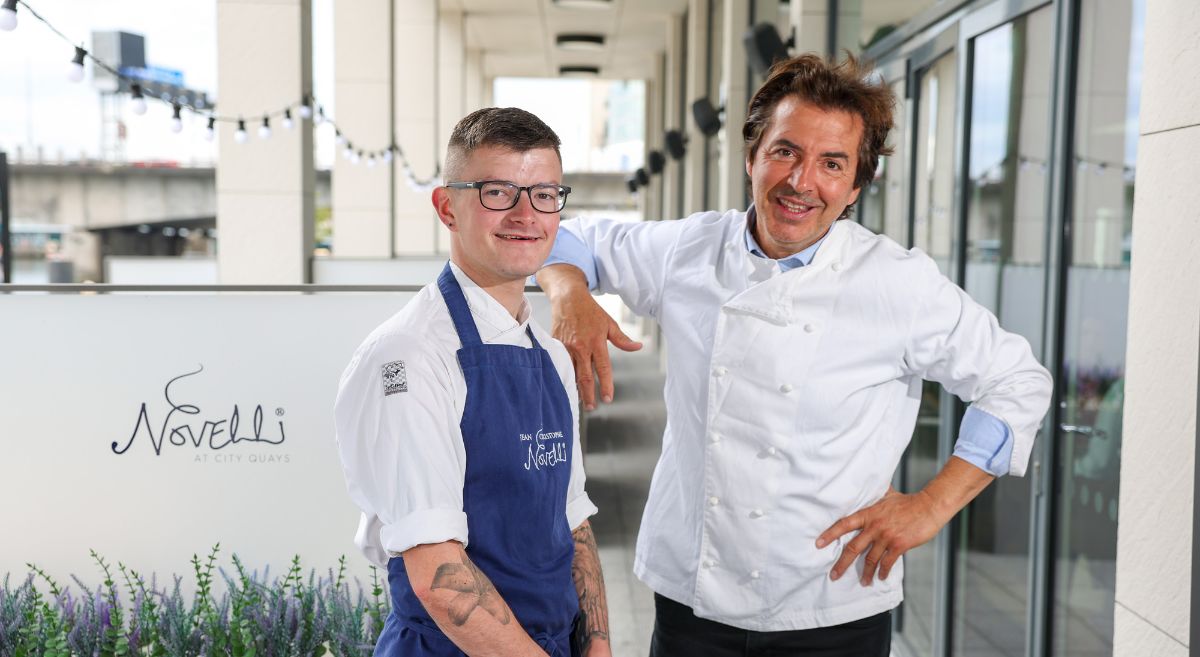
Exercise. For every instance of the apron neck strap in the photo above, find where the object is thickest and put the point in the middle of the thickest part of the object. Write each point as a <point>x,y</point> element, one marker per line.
<point>460,312</point>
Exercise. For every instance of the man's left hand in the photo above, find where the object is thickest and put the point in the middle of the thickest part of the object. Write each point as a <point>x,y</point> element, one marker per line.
<point>898,522</point>
<point>887,529</point>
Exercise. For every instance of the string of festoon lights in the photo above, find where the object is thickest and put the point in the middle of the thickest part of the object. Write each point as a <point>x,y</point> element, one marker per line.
<point>306,107</point>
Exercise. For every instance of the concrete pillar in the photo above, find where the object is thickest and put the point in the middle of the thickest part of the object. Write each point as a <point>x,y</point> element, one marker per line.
<point>653,139</point>
<point>731,163</point>
<point>673,75</point>
<point>697,87</point>
<point>416,35</point>
<point>811,18</point>
<point>473,82</point>
<point>849,27</point>
<point>1155,559</point>
<point>362,195</point>
<point>264,187</point>
<point>451,76</point>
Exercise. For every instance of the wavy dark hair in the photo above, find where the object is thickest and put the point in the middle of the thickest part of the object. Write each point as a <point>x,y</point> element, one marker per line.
<point>846,86</point>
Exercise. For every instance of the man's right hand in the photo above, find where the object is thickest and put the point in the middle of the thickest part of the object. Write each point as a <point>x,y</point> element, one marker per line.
<point>583,326</point>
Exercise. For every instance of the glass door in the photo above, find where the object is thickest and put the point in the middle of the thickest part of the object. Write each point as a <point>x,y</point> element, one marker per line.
<point>1090,378</point>
<point>881,205</point>
<point>935,85</point>
<point>1005,200</point>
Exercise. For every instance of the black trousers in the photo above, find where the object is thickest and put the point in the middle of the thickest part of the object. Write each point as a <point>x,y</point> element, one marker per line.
<point>679,633</point>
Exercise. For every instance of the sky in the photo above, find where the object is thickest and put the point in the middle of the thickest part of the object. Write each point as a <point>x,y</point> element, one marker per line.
<point>38,105</point>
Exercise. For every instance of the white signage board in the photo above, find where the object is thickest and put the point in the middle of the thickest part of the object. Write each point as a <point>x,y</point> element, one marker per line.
<point>150,427</point>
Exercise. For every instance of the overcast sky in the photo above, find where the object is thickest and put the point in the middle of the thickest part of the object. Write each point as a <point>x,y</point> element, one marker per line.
<point>39,106</point>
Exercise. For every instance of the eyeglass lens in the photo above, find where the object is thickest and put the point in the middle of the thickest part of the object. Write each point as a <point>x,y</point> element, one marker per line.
<point>502,196</point>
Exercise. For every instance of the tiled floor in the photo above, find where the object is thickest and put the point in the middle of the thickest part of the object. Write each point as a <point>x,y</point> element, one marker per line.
<point>623,442</point>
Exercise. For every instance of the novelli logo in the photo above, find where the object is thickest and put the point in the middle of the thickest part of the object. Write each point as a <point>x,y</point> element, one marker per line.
<point>186,424</point>
<point>546,449</point>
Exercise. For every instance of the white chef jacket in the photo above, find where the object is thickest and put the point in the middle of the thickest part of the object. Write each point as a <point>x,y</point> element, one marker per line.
<point>790,400</point>
<point>398,429</point>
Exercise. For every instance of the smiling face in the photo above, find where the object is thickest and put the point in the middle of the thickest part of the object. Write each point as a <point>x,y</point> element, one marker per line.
<point>498,247</point>
<point>802,175</point>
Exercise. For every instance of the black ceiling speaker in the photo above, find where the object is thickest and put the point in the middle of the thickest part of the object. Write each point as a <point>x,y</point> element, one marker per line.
<point>764,47</point>
<point>632,185</point>
<point>655,161</point>
<point>675,142</point>
<point>643,178</point>
<point>708,118</point>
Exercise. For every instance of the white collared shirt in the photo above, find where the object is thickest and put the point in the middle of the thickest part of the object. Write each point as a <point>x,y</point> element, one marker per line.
<point>791,397</point>
<point>397,415</point>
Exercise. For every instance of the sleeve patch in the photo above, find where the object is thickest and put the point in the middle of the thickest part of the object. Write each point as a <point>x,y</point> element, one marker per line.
<point>394,378</point>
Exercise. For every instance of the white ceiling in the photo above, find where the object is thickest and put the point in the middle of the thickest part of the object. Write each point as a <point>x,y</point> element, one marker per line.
<point>517,37</point>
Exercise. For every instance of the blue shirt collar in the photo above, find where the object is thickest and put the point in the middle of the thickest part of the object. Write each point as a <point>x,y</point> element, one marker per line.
<point>785,264</point>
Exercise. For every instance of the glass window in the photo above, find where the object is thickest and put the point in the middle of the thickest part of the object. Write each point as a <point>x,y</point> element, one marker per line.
<point>1091,375</point>
<point>933,191</point>
<point>1005,271</point>
<point>881,205</point>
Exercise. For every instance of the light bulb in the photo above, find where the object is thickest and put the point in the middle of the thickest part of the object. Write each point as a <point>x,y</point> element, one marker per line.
<point>139,101</point>
<point>210,133</point>
<point>356,157</point>
<point>75,70</point>
<point>8,16</point>
<point>321,116</point>
<point>264,130</point>
<point>240,135</point>
<point>305,108</point>
<point>287,119</point>
<point>371,161</point>
<point>387,155</point>
<point>176,121</point>
<point>347,152</point>
<point>339,139</point>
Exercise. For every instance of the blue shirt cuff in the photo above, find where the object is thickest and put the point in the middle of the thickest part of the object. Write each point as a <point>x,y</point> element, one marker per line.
<point>569,249</point>
<point>985,442</point>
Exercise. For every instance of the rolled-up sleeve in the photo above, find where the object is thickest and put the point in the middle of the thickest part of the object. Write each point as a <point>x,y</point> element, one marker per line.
<point>958,343</point>
<point>985,442</point>
<point>400,446</point>
<point>569,249</point>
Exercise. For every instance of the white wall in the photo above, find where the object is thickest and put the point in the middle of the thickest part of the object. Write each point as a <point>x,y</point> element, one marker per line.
<point>1154,542</point>
<point>77,370</point>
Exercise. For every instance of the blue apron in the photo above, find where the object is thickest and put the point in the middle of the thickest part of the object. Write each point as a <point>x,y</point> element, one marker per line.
<point>517,432</point>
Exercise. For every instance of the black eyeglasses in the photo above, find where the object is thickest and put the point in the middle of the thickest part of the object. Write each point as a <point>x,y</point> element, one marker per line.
<point>503,195</point>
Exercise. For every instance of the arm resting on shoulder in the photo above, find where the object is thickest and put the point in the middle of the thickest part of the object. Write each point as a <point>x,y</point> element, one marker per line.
<point>465,605</point>
<point>584,328</point>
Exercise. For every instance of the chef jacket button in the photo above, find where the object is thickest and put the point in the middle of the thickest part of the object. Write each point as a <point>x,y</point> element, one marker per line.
<point>719,371</point>
<point>713,501</point>
<point>809,328</point>
<point>757,513</point>
<point>715,438</point>
<point>707,563</point>
<point>837,266</point>
<point>771,450</point>
<point>786,388</point>
<point>754,574</point>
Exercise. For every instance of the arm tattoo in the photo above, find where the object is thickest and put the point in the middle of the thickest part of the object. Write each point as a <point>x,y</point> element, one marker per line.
<point>589,583</point>
<point>474,590</point>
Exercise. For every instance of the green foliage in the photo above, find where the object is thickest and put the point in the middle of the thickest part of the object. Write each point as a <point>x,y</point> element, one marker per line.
<point>256,616</point>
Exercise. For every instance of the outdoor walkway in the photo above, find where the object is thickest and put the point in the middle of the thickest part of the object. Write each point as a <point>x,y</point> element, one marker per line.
<point>623,442</point>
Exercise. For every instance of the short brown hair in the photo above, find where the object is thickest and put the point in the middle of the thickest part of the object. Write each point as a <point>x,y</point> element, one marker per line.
<point>507,127</point>
<point>829,85</point>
